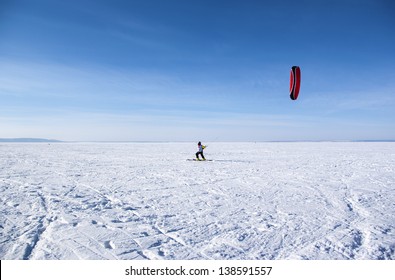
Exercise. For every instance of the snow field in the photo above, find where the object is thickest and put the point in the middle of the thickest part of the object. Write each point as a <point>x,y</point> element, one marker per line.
<point>146,201</point>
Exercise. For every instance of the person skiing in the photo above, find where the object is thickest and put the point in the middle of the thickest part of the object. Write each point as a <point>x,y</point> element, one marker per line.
<point>200,151</point>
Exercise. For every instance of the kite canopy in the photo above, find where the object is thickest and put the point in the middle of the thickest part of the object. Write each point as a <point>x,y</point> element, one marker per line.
<point>294,86</point>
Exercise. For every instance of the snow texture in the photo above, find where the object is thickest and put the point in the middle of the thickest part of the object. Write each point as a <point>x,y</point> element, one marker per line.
<point>147,201</point>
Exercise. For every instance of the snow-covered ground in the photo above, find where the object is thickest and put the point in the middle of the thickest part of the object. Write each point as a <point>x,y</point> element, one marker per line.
<point>146,201</point>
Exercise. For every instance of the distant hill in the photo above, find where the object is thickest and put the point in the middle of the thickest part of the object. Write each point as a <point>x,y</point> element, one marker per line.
<point>28,140</point>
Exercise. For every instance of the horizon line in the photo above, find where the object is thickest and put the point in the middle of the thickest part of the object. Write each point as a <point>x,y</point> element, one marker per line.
<point>44,140</point>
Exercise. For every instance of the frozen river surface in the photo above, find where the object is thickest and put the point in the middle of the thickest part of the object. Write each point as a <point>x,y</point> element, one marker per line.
<point>146,201</point>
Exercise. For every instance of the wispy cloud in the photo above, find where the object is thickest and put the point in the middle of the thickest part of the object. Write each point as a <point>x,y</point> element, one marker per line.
<point>107,87</point>
<point>378,98</point>
<point>81,102</point>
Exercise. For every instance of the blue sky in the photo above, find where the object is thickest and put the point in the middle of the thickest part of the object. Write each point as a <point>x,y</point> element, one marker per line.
<point>197,70</point>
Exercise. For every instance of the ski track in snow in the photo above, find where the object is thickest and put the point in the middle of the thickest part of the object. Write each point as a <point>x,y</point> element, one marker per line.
<point>146,201</point>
